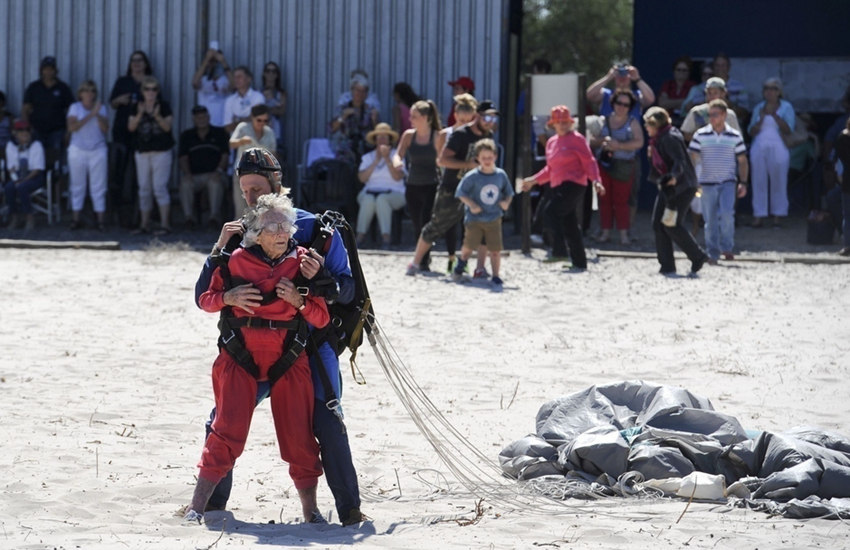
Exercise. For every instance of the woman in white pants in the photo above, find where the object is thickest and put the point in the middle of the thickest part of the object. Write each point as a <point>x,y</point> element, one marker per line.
<point>384,189</point>
<point>88,123</point>
<point>773,118</point>
<point>151,126</point>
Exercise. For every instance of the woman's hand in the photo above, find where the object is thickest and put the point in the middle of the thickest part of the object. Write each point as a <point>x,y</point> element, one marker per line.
<point>287,292</point>
<point>311,263</point>
<point>244,297</point>
<point>528,183</point>
<point>600,190</point>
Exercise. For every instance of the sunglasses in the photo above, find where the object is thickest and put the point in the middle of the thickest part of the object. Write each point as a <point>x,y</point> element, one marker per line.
<point>715,114</point>
<point>278,227</point>
<point>621,104</point>
<point>150,89</point>
<point>490,118</point>
<point>771,87</point>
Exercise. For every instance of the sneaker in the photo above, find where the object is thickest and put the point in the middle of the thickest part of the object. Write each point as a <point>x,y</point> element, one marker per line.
<point>457,272</point>
<point>697,265</point>
<point>480,273</point>
<point>728,256</point>
<point>75,224</point>
<point>556,259</point>
<point>412,270</point>
<point>497,281</point>
<point>193,517</point>
<point>318,518</point>
<point>844,251</point>
<point>354,516</point>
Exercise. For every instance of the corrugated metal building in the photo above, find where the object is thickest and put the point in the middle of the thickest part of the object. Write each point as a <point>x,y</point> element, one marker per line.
<point>316,43</point>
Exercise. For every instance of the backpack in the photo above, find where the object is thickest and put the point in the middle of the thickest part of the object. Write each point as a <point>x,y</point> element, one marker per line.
<point>348,320</point>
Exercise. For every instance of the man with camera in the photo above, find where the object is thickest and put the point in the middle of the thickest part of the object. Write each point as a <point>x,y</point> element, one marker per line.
<point>623,76</point>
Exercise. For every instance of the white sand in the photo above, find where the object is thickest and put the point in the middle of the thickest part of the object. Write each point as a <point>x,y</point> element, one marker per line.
<point>105,389</point>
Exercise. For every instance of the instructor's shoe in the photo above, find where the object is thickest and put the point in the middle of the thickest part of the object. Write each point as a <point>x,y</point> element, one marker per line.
<point>412,270</point>
<point>457,273</point>
<point>355,516</point>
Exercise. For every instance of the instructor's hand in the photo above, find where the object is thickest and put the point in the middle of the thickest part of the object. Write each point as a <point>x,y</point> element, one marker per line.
<point>228,230</point>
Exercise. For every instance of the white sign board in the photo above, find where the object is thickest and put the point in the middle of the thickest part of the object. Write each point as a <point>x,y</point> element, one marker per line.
<point>548,90</point>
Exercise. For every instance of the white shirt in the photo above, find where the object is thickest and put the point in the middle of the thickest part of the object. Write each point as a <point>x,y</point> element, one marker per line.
<point>381,178</point>
<point>34,155</point>
<point>237,106</point>
<point>213,95</point>
<point>90,136</point>
<point>247,129</point>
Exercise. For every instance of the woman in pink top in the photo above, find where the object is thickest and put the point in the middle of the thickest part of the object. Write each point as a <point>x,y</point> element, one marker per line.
<point>569,165</point>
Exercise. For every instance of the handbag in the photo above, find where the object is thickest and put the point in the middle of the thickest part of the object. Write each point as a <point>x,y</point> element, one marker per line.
<point>618,169</point>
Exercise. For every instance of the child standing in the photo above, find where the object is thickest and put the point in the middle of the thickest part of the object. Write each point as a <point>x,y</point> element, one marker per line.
<point>486,193</point>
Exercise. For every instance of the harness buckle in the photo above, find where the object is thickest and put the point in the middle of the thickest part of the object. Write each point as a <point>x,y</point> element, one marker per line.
<point>271,324</point>
<point>229,338</point>
<point>303,290</point>
<point>301,339</point>
<point>332,405</point>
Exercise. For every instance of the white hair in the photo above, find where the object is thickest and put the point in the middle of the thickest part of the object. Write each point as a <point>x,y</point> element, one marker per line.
<point>272,202</point>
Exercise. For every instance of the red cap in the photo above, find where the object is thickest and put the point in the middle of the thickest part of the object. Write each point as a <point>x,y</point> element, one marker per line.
<point>21,125</point>
<point>560,113</point>
<point>464,82</point>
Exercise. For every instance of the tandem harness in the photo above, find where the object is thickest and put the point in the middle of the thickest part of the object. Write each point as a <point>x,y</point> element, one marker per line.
<point>231,336</point>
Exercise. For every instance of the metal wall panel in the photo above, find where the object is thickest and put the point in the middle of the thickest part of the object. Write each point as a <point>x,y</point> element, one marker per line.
<point>316,42</point>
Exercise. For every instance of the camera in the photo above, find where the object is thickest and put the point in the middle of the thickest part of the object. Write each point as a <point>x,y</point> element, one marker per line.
<point>622,69</point>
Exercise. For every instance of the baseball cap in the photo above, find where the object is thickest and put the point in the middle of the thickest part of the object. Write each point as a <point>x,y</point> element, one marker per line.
<point>464,82</point>
<point>199,109</point>
<point>487,106</point>
<point>715,82</point>
<point>48,61</point>
<point>21,125</point>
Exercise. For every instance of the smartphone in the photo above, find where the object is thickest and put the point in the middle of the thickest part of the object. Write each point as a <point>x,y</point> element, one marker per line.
<point>214,45</point>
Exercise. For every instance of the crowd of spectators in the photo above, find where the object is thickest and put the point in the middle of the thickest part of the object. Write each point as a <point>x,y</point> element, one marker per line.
<point>138,168</point>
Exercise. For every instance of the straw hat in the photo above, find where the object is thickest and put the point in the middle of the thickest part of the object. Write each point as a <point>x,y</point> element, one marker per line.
<point>382,128</point>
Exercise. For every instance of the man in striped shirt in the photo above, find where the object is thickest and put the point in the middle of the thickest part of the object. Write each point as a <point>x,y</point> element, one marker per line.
<point>719,153</point>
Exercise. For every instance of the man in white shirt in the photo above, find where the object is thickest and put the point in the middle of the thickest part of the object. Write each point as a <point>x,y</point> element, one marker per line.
<point>237,108</point>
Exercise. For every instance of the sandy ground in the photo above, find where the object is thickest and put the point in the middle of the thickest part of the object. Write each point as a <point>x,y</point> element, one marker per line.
<point>104,389</point>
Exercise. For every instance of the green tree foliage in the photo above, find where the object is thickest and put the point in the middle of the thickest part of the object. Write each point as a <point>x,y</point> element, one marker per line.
<point>582,36</point>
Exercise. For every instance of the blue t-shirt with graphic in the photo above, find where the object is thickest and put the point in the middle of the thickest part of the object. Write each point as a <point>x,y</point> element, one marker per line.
<point>485,190</point>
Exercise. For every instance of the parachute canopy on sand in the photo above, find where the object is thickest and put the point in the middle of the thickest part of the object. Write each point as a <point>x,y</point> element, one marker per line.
<point>661,432</point>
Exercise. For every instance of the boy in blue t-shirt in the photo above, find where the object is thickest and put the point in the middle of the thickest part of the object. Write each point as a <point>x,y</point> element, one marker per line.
<point>486,193</point>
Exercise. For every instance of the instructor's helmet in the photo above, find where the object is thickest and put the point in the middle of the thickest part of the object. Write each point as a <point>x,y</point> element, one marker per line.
<point>258,160</point>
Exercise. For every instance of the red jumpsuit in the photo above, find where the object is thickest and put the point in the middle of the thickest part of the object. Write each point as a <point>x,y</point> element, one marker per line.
<point>235,390</point>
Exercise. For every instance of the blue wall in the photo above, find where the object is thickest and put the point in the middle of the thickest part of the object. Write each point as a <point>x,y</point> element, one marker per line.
<point>666,29</point>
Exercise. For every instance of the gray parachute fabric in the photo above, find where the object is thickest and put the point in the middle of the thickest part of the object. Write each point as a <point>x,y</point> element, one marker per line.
<point>659,432</point>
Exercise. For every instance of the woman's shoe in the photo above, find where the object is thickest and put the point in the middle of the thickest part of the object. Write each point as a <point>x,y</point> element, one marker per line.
<point>757,222</point>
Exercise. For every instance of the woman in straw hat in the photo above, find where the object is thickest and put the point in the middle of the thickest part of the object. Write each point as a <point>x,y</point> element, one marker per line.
<point>384,184</point>
<point>569,166</point>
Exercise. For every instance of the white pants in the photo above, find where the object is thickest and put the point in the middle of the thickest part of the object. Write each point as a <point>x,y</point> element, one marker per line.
<point>153,169</point>
<point>91,165</point>
<point>383,205</point>
<point>769,162</point>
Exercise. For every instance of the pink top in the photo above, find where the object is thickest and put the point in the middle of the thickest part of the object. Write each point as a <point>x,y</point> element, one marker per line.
<point>568,158</point>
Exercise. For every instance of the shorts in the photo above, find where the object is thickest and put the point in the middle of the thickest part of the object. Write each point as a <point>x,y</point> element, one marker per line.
<point>491,232</point>
<point>447,213</point>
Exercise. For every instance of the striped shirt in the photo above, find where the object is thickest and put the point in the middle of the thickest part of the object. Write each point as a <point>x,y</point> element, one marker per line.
<point>718,153</point>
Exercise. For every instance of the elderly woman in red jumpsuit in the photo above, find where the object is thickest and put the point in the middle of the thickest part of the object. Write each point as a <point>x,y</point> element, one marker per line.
<point>269,261</point>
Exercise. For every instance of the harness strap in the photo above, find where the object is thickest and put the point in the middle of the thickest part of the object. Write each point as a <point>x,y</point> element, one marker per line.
<point>260,322</point>
<point>296,341</point>
<point>331,400</point>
